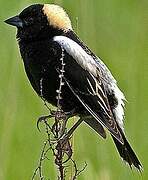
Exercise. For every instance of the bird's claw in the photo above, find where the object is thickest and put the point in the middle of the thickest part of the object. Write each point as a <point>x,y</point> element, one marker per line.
<point>42,119</point>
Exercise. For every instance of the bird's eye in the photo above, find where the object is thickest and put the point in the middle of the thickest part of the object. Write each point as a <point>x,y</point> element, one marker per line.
<point>28,21</point>
<point>31,18</point>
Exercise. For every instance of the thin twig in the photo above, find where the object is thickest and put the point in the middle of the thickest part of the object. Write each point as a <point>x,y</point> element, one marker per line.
<point>77,172</point>
<point>39,168</point>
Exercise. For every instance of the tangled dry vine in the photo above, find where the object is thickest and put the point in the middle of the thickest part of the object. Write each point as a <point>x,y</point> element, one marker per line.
<point>57,137</point>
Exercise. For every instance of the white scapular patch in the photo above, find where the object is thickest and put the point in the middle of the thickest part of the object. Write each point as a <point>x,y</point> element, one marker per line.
<point>78,53</point>
<point>92,65</point>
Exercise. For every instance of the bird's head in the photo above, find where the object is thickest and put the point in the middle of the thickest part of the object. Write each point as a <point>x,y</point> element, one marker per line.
<point>39,21</point>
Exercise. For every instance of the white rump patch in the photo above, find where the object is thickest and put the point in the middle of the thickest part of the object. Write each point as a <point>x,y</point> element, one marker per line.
<point>119,110</point>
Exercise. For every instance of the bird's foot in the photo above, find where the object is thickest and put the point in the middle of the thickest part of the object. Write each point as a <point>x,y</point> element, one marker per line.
<point>57,114</point>
<point>61,118</point>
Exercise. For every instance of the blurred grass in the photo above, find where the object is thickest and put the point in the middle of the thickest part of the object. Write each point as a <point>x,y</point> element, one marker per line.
<point>117,32</point>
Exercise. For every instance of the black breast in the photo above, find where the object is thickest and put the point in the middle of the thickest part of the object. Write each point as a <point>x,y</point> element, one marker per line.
<point>41,59</point>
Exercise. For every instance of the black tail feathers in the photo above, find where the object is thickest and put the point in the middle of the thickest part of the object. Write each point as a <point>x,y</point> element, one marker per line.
<point>127,153</point>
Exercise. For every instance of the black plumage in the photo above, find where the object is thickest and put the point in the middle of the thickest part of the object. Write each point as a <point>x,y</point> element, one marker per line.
<point>45,36</point>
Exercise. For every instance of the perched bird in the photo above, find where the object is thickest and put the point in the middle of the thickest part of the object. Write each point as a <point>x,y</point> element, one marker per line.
<point>49,46</point>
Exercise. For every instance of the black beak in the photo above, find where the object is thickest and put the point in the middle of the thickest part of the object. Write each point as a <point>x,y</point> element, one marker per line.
<point>15,21</point>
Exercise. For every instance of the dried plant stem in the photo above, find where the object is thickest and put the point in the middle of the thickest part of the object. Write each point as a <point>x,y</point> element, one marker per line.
<point>57,138</point>
<point>39,168</point>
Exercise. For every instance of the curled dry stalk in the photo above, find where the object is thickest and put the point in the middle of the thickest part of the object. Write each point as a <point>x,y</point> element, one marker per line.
<point>61,150</point>
<point>57,141</point>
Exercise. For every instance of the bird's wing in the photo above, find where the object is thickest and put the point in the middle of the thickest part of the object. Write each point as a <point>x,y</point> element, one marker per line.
<point>84,77</point>
<point>95,125</point>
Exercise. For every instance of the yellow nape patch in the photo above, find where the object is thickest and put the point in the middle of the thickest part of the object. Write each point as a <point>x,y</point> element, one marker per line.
<point>57,17</point>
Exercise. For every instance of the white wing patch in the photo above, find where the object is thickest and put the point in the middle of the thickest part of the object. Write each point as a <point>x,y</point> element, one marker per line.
<point>88,63</point>
<point>78,53</point>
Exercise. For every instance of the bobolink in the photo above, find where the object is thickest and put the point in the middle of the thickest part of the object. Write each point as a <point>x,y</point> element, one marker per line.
<point>47,42</point>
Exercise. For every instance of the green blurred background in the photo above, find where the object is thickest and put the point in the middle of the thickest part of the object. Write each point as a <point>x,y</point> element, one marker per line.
<point>117,31</point>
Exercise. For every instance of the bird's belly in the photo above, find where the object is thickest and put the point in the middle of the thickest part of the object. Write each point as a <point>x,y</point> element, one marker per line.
<point>46,85</point>
<point>68,100</point>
